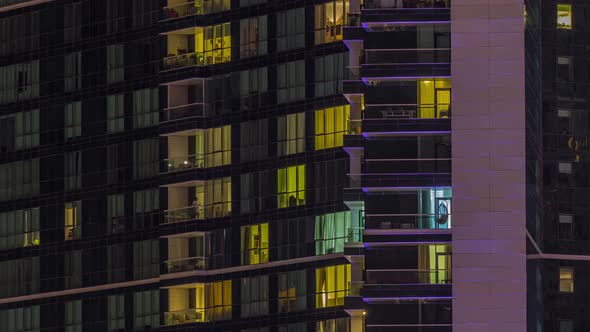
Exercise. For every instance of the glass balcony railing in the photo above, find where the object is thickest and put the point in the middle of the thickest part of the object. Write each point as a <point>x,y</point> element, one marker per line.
<point>355,288</point>
<point>197,315</point>
<point>387,56</point>
<point>196,8</point>
<point>408,111</point>
<point>197,213</point>
<point>401,4</point>
<point>184,111</point>
<point>183,214</point>
<point>354,234</point>
<point>408,221</point>
<point>184,60</point>
<point>181,164</point>
<point>185,264</point>
<point>401,277</point>
<point>184,316</point>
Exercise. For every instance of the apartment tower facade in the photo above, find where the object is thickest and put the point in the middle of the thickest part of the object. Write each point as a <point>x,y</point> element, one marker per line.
<point>293,166</point>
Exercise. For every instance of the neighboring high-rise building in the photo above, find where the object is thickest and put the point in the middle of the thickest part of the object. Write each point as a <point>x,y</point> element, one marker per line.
<point>294,165</point>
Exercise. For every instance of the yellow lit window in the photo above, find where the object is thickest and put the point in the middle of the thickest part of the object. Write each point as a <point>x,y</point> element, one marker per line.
<point>330,18</point>
<point>331,124</point>
<point>217,43</point>
<point>199,303</point>
<point>564,16</point>
<point>198,46</point>
<point>434,98</point>
<point>72,212</point>
<point>217,146</point>
<point>434,263</point>
<point>566,279</point>
<point>180,8</point>
<point>217,197</point>
<point>291,186</point>
<point>291,134</point>
<point>218,300</point>
<point>254,244</point>
<point>332,283</point>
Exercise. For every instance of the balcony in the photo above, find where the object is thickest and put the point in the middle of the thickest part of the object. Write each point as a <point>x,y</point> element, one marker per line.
<point>386,64</point>
<point>381,12</point>
<point>406,4</point>
<point>198,200</point>
<point>407,118</point>
<point>408,221</point>
<point>183,58</point>
<point>196,303</point>
<point>197,46</point>
<point>387,56</point>
<point>176,9</point>
<point>407,276</point>
<point>192,252</point>
<point>184,214</point>
<point>396,181</point>
<point>413,166</point>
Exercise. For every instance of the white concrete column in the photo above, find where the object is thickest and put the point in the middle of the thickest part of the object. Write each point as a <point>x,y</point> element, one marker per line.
<point>488,143</point>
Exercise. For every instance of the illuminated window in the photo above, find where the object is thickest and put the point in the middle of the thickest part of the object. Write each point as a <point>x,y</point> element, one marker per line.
<point>199,303</point>
<point>333,325</point>
<point>291,134</point>
<point>292,291</point>
<point>566,279</point>
<point>72,220</point>
<point>434,264</point>
<point>217,43</point>
<point>330,18</point>
<point>291,186</point>
<point>182,8</point>
<point>216,195</point>
<point>332,283</point>
<point>198,46</point>
<point>19,228</point>
<point>331,232</point>
<point>330,126</point>
<point>217,143</point>
<point>434,98</point>
<point>564,16</point>
<point>254,244</point>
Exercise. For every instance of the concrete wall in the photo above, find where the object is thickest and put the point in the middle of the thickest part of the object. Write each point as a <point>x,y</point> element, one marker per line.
<point>488,140</point>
